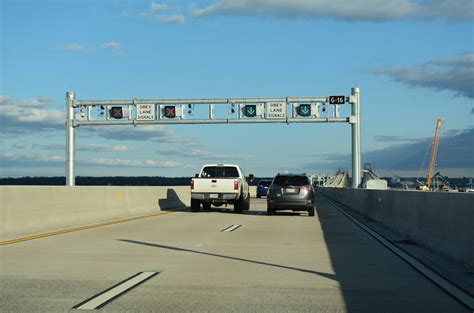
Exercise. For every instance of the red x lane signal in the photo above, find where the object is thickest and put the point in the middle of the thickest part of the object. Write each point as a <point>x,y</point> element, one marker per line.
<point>170,111</point>
<point>116,112</point>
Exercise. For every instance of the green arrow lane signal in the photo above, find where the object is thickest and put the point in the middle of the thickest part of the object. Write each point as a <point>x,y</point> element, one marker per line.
<point>251,110</point>
<point>304,110</point>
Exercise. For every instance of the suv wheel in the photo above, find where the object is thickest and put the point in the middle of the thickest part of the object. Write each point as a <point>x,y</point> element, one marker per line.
<point>311,211</point>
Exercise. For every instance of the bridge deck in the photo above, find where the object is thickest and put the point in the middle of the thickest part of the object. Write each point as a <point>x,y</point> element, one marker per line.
<point>288,262</point>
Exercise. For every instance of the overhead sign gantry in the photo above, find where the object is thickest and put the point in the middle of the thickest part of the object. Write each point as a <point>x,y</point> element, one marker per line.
<point>212,111</point>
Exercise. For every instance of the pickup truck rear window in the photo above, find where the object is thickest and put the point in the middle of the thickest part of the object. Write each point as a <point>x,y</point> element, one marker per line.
<point>220,172</point>
<point>291,180</point>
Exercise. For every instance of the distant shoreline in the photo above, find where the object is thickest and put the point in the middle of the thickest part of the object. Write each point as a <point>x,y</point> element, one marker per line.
<point>165,181</point>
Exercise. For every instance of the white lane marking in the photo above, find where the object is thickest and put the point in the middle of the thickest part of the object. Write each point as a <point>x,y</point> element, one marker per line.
<point>231,228</point>
<point>444,284</point>
<point>107,296</point>
<point>225,229</point>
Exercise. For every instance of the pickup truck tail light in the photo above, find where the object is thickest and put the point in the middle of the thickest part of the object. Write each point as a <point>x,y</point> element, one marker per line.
<point>236,184</point>
<point>192,184</point>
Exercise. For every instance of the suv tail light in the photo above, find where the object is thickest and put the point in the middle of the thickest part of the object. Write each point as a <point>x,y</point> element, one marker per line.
<point>192,184</point>
<point>236,184</point>
<point>307,187</point>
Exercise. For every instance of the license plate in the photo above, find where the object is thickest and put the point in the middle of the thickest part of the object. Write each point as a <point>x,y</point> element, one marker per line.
<point>290,190</point>
<point>214,195</point>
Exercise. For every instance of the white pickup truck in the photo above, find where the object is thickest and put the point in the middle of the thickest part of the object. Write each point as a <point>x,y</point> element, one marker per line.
<point>219,184</point>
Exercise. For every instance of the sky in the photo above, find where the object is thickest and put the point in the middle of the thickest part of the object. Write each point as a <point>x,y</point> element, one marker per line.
<point>413,61</point>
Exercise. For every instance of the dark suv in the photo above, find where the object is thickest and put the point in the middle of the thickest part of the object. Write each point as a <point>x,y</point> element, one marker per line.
<point>291,192</point>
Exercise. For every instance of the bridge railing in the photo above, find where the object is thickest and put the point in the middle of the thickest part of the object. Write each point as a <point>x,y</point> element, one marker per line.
<point>441,221</point>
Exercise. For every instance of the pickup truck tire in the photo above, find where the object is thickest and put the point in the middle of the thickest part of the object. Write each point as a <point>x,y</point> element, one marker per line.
<point>195,205</point>
<point>206,206</point>
<point>247,203</point>
<point>239,205</point>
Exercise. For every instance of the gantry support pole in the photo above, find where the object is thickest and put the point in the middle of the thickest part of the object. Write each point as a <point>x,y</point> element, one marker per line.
<point>70,139</point>
<point>356,151</point>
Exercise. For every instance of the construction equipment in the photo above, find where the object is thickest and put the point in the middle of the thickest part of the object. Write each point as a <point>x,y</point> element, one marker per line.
<point>434,153</point>
<point>446,183</point>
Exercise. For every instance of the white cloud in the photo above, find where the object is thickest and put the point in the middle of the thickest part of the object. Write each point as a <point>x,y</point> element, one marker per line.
<point>362,10</point>
<point>455,74</point>
<point>116,47</point>
<point>196,153</point>
<point>30,115</point>
<point>105,148</point>
<point>130,163</point>
<point>154,133</point>
<point>157,14</point>
<point>72,47</point>
<point>89,147</point>
<point>172,19</point>
<point>155,7</point>
<point>111,45</point>
<point>29,159</point>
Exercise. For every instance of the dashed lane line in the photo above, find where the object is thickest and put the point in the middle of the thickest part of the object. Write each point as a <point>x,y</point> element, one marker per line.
<point>230,228</point>
<point>101,299</point>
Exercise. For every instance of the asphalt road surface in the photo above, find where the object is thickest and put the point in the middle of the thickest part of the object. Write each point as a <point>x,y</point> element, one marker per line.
<point>217,261</point>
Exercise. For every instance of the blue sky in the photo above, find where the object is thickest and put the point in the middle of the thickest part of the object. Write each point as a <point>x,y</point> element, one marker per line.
<point>413,60</point>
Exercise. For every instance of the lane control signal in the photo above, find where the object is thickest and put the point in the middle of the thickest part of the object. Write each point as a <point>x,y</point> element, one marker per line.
<point>116,112</point>
<point>250,110</point>
<point>170,111</point>
<point>304,110</point>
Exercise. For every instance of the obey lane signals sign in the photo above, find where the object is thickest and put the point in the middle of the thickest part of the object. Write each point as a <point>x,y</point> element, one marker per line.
<point>276,110</point>
<point>146,112</point>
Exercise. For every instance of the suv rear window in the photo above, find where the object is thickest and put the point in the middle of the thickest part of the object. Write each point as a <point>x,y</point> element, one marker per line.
<point>291,181</point>
<point>220,172</point>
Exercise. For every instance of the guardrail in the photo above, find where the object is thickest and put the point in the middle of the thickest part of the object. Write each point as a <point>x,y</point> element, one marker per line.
<point>29,210</point>
<point>32,210</point>
<point>440,221</point>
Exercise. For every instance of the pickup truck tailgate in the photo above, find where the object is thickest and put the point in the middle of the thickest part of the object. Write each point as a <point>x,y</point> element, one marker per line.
<point>213,185</point>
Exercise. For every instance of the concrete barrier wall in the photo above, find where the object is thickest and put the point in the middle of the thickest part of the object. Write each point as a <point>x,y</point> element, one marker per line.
<point>28,210</point>
<point>441,221</point>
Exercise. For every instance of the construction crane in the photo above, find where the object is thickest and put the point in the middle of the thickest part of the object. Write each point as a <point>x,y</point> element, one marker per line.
<point>434,153</point>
